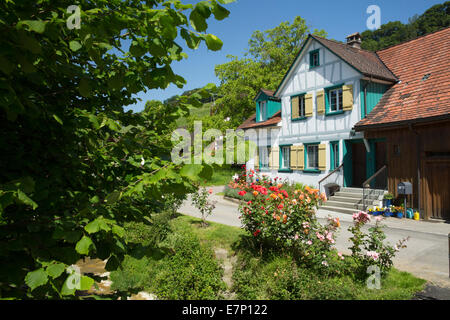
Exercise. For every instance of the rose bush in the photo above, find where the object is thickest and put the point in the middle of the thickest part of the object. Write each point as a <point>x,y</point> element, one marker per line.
<point>286,220</point>
<point>282,216</point>
<point>368,248</point>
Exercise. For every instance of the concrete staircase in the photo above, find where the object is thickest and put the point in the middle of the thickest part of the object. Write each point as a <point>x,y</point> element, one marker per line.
<point>350,200</point>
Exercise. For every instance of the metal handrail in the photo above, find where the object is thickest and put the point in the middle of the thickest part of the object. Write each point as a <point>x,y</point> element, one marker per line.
<point>367,183</point>
<point>337,169</point>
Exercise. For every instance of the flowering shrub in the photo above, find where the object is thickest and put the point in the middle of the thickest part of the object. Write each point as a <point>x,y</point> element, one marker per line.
<point>282,219</point>
<point>369,249</point>
<point>201,202</point>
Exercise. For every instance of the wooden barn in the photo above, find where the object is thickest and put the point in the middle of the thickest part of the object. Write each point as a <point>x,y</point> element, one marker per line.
<point>413,120</point>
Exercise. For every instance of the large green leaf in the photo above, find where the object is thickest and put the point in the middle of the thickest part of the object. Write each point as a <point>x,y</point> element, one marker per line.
<point>83,246</point>
<point>213,42</point>
<point>37,26</point>
<point>86,283</point>
<point>75,45</point>
<point>36,278</point>
<point>23,198</point>
<point>54,270</point>
<point>198,22</point>
<point>220,12</point>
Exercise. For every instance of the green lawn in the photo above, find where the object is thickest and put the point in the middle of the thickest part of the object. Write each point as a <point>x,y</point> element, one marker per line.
<point>221,176</point>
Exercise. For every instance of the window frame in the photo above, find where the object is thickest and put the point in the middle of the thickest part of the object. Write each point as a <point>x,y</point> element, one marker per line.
<point>334,155</point>
<point>281,163</point>
<point>327,92</point>
<point>262,115</point>
<point>306,161</point>
<point>301,97</point>
<point>261,166</point>
<point>311,60</point>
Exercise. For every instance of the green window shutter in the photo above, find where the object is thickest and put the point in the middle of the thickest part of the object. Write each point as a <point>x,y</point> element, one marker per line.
<point>295,108</point>
<point>320,102</point>
<point>322,157</point>
<point>257,112</point>
<point>347,97</point>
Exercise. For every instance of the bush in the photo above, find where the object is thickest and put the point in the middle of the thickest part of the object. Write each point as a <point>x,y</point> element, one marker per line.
<point>275,276</point>
<point>182,268</point>
<point>369,249</point>
<point>190,272</point>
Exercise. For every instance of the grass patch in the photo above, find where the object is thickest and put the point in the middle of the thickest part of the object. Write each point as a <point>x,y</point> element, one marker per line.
<point>216,234</point>
<point>221,176</point>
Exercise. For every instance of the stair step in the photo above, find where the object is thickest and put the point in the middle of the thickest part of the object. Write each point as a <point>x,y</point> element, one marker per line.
<point>338,209</point>
<point>358,195</point>
<point>360,190</point>
<point>354,200</point>
<point>334,203</point>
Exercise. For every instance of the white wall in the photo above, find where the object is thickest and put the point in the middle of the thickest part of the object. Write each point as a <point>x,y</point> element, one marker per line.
<point>317,128</point>
<point>332,71</point>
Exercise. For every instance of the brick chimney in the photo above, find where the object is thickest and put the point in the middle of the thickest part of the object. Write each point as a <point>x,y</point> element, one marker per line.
<point>354,40</point>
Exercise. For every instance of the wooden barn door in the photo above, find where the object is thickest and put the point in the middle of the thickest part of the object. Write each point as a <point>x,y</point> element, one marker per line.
<point>437,188</point>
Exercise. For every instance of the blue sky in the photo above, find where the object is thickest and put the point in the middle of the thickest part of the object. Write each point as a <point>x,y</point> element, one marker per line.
<point>337,18</point>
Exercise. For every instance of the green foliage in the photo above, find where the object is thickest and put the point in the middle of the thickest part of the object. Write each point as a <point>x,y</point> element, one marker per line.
<point>74,167</point>
<point>392,33</point>
<point>369,248</point>
<point>268,58</point>
<point>184,270</point>
<point>201,201</point>
<point>275,275</point>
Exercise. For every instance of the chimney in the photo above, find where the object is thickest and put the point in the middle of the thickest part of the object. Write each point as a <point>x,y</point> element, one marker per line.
<point>354,40</point>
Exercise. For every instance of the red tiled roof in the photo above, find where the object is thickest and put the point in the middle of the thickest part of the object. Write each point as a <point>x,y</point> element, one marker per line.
<point>366,62</point>
<point>415,98</point>
<point>251,122</point>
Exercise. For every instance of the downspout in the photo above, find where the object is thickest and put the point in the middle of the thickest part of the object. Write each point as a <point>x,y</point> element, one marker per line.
<point>418,166</point>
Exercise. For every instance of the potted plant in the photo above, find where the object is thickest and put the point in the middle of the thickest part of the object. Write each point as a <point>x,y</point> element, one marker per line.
<point>387,199</point>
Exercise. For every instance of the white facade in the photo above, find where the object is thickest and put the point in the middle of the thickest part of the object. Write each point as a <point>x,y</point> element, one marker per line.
<point>317,128</point>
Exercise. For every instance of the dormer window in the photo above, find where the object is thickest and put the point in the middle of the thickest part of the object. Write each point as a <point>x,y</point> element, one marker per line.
<point>314,58</point>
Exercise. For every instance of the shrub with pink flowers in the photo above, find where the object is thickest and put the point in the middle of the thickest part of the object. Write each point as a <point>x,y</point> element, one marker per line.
<point>368,248</point>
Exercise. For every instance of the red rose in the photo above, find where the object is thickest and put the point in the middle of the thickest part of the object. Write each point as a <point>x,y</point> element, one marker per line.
<point>242,192</point>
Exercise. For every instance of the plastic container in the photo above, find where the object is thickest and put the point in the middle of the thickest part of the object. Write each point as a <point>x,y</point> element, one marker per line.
<point>416,215</point>
<point>409,213</point>
<point>399,215</point>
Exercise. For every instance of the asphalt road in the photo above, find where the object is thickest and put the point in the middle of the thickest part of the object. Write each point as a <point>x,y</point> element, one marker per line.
<point>426,255</point>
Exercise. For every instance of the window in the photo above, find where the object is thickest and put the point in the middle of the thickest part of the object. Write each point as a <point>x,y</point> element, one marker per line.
<point>262,111</point>
<point>298,107</point>
<point>314,58</point>
<point>285,157</point>
<point>312,156</point>
<point>264,157</point>
<point>334,146</point>
<point>335,100</point>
